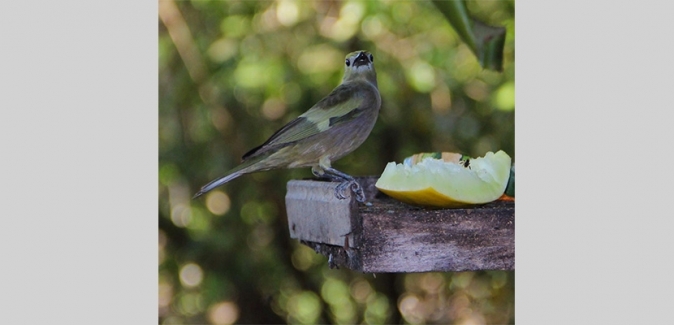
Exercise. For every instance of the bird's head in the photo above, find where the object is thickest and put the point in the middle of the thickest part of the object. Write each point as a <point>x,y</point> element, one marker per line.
<point>360,64</point>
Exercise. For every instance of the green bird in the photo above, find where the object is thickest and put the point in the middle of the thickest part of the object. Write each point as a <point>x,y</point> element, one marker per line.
<point>331,129</point>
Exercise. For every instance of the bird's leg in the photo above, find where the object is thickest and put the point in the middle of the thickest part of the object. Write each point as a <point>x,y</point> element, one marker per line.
<point>319,172</point>
<point>346,182</point>
<point>324,170</point>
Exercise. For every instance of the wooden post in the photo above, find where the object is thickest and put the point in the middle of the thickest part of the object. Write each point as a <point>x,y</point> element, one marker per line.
<point>390,236</point>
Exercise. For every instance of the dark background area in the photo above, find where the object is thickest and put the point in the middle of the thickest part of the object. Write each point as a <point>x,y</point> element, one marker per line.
<point>233,72</point>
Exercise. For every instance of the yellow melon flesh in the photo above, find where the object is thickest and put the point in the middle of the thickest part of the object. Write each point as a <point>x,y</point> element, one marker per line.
<point>436,183</point>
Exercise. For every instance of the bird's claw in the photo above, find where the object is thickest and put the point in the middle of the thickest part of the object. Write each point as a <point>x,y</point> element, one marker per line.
<point>340,190</point>
<point>360,195</point>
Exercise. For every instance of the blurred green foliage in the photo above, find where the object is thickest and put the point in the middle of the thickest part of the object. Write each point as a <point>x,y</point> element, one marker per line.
<point>233,72</point>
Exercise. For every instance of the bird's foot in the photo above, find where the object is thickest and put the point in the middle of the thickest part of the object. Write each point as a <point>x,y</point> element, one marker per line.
<point>346,182</point>
<point>340,190</point>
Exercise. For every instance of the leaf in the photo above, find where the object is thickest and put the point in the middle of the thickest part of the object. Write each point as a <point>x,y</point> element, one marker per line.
<point>485,41</point>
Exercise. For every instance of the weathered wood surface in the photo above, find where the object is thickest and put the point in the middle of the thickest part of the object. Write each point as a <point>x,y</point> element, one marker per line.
<point>390,236</point>
<point>317,214</point>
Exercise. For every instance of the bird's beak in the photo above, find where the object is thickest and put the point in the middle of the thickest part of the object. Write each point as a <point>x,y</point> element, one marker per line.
<point>361,59</point>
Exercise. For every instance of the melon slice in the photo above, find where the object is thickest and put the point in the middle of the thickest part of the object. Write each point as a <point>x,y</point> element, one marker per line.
<point>456,181</point>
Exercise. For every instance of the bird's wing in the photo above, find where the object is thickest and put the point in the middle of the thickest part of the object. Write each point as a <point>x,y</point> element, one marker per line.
<point>340,106</point>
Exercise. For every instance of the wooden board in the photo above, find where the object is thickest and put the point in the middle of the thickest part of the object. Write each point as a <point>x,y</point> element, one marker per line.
<point>390,236</point>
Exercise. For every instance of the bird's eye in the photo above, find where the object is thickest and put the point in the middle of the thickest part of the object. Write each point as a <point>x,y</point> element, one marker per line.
<point>348,63</point>
<point>371,58</point>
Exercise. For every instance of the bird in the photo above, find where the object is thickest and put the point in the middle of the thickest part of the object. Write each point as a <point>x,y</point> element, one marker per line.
<point>332,128</point>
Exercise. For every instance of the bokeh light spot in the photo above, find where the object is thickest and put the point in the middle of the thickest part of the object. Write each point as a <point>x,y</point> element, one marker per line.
<point>504,98</point>
<point>273,108</point>
<point>181,215</point>
<point>372,27</point>
<point>479,289</point>
<point>168,173</point>
<point>191,275</point>
<point>348,23</point>
<point>473,318</point>
<point>287,12</point>
<point>352,11</point>
<point>223,313</point>
<point>461,280</point>
<point>162,245</point>
<point>334,291</point>
<point>477,90</point>
<point>422,76</point>
<point>361,290</point>
<point>191,303</point>
<point>432,282</point>
<point>222,50</point>
<point>408,308</point>
<point>220,118</point>
<point>251,75</point>
<point>199,224</point>
<point>441,99</point>
<point>165,295</point>
<point>459,306</point>
<point>235,26</point>
<point>304,307</point>
<point>218,203</point>
<point>303,257</point>
<point>319,59</point>
<point>377,310</point>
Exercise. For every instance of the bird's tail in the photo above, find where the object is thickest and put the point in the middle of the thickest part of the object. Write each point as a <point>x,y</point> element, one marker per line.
<point>217,182</point>
<point>244,168</point>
